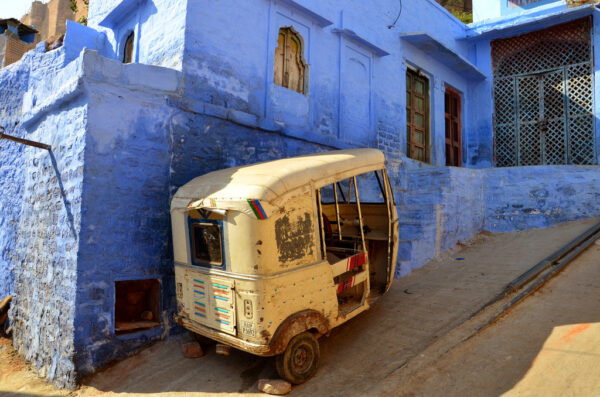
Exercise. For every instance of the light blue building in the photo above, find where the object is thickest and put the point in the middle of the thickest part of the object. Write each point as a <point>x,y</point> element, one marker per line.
<point>490,126</point>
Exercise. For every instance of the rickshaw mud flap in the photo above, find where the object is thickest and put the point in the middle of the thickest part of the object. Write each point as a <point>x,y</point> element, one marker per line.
<point>306,320</point>
<point>259,350</point>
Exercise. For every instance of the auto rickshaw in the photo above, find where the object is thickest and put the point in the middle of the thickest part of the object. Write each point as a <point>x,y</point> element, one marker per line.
<point>271,256</point>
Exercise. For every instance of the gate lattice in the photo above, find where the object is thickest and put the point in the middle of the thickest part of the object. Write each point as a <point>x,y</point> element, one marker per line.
<point>543,97</point>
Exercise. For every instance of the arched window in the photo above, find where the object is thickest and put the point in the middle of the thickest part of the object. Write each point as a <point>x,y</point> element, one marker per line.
<point>289,61</point>
<point>128,49</point>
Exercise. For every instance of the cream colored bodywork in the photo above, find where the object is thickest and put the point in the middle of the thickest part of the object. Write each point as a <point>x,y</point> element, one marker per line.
<point>274,267</point>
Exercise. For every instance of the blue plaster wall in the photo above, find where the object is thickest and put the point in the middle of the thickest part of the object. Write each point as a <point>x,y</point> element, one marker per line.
<point>228,63</point>
<point>232,68</point>
<point>15,81</point>
<point>125,222</point>
<point>522,198</point>
<point>159,27</point>
<point>44,213</point>
<point>439,207</point>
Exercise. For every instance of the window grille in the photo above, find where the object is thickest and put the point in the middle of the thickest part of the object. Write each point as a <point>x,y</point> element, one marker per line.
<point>543,103</point>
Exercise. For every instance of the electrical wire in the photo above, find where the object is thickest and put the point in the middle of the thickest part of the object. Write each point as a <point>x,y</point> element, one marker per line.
<point>397,18</point>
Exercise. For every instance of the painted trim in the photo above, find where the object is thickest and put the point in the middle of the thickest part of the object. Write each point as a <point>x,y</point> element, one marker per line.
<point>506,9</point>
<point>521,24</point>
<point>345,47</point>
<point>352,36</point>
<point>318,19</point>
<point>443,54</point>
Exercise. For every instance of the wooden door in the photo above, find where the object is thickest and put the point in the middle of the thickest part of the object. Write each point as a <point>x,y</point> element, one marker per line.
<point>417,116</point>
<point>453,128</point>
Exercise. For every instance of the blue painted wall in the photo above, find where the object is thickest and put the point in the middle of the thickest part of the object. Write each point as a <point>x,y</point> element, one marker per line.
<point>159,27</point>
<point>125,198</point>
<point>441,206</point>
<point>41,196</point>
<point>15,81</point>
<point>240,76</point>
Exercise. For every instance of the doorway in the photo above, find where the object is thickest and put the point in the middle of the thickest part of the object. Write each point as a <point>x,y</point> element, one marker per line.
<point>453,128</point>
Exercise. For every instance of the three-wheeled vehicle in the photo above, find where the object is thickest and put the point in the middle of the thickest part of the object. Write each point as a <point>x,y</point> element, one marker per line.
<point>270,256</point>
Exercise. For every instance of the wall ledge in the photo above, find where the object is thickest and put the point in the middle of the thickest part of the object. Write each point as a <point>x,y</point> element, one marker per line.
<point>438,51</point>
<point>252,121</point>
<point>351,35</point>
<point>525,23</point>
<point>308,13</point>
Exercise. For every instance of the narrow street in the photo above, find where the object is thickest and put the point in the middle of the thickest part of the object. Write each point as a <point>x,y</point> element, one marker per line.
<point>417,341</point>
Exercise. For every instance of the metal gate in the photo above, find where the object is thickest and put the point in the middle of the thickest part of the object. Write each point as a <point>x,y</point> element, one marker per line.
<point>543,97</point>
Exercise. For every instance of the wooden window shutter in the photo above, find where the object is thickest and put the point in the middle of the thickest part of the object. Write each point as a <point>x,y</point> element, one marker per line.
<point>289,64</point>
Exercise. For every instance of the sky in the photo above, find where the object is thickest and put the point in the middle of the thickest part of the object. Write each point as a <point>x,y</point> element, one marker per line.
<point>15,8</point>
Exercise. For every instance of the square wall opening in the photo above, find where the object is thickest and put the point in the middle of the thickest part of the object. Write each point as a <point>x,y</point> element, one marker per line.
<point>137,305</point>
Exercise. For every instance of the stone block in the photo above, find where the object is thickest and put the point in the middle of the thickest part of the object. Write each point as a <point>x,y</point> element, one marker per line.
<point>192,350</point>
<point>276,387</point>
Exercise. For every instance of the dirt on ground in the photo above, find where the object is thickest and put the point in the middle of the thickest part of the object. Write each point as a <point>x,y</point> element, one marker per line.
<point>416,341</point>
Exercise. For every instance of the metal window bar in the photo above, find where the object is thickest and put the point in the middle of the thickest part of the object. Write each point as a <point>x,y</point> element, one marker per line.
<point>543,97</point>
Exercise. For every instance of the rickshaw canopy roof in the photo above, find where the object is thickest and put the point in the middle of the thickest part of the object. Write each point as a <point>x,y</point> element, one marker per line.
<point>273,182</point>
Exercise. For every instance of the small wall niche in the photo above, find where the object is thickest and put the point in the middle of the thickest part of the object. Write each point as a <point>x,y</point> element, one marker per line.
<point>137,305</point>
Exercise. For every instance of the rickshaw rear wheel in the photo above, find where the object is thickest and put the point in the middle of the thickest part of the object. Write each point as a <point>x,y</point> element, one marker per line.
<point>300,360</point>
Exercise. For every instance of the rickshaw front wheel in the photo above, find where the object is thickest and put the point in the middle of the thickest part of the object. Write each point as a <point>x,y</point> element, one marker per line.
<point>300,360</point>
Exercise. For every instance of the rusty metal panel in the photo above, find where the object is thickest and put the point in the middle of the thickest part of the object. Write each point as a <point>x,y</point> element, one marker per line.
<point>543,97</point>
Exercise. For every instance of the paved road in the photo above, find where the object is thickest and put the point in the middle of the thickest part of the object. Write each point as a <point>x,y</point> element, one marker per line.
<point>549,345</point>
<point>407,344</point>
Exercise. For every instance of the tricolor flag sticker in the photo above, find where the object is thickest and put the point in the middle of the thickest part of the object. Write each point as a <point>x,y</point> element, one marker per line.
<point>257,209</point>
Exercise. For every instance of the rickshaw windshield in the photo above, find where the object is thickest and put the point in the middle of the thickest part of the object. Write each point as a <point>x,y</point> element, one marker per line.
<point>206,243</point>
<point>206,238</point>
